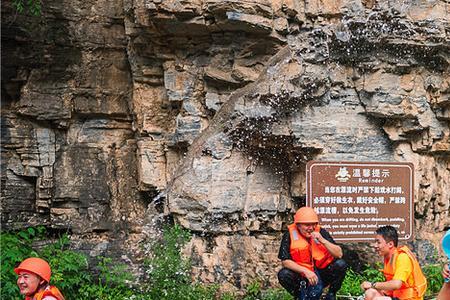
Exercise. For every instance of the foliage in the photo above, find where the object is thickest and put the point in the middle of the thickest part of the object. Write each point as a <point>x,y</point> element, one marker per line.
<point>31,6</point>
<point>69,268</point>
<point>353,280</point>
<point>433,273</point>
<point>168,272</point>
<point>111,282</point>
<point>276,294</point>
<point>15,248</point>
<point>169,275</point>
<point>254,292</point>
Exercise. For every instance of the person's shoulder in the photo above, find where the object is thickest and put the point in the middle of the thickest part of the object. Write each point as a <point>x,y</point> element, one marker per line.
<point>404,252</point>
<point>323,230</point>
<point>402,255</point>
<point>286,236</point>
<point>326,235</point>
<point>403,258</point>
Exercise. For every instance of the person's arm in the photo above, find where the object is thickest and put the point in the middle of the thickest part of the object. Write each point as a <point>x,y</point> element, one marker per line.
<point>403,270</point>
<point>305,272</point>
<point>327,241</point>
<point>444,293</point>
<point>446,271</point>
<point>390,285</point>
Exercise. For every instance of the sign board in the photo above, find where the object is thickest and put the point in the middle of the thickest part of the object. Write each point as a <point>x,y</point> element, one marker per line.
<point>353,199</point>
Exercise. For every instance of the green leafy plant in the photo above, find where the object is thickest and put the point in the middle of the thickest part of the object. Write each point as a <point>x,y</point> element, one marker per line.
<point>31,6</point>
<point>112,282</point>
<point>69,268</point>
<point>253,291</point>
<point>353,280</point>
<point>169,274</point>
<point>276,294</point>
<point>70,272</point>
<point>351,284</point>
<point>228,296</point>
<point>15,248</point>
<point>433,273</point>
<point>373,273</point>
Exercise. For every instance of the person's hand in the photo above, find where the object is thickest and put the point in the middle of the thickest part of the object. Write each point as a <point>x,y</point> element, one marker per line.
<point>317,237</point>
<point>446,271</point>
<point>312,277</point>
<point>366,285</point>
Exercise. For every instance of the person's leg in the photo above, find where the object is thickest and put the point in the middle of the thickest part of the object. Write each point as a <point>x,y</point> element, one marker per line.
<point>290,280</point>
<point>313,292</point>
<point>373,294</point>
<point>333,275</point>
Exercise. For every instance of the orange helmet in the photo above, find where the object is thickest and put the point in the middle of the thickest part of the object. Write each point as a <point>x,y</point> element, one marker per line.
<point>306,214</point>
<point>37,266</point>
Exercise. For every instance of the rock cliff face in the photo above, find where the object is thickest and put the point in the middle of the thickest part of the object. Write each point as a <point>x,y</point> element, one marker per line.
<point>118,113</point>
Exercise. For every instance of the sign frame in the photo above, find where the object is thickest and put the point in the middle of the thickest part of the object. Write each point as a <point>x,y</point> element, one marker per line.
<point>333,164</point>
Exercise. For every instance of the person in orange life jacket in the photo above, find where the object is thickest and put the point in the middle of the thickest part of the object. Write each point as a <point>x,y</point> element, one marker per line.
<point>33,281</point>
<point>311,259</point>
<point>404,278</point>
<point>444,293</point>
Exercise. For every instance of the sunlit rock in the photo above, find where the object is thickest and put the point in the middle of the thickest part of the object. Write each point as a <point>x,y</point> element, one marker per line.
<point>118,116</point>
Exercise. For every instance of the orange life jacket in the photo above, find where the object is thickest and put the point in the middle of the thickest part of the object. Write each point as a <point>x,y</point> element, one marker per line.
<point>406,291</point>
<point>306,254</point>
<point>48,291</point>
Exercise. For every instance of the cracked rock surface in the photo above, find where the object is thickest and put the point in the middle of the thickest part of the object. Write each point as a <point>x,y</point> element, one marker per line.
<point>117,115</point>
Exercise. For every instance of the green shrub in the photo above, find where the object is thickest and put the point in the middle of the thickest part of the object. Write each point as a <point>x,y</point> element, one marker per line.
<point>15,248</point>
<point>168,273</point>
<point>433,273</point>
<point>69,268</point>
<point>353,280</point>
<point>228,296</point>
<point>252,291</point>
<point>110,284</point>
<point>31,6</point>
<point>70,272</point>
<point>276,294</point>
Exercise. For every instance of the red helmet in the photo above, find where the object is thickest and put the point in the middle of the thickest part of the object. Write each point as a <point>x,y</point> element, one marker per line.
<point>306,215</point>
<point>37,266</point>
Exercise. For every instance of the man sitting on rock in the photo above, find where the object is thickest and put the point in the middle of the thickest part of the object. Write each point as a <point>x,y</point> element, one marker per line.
<point>404,277</point>
<point>310,258</point>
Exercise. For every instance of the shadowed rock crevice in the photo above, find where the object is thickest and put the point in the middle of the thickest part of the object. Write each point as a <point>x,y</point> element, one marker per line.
<point>120,116</point>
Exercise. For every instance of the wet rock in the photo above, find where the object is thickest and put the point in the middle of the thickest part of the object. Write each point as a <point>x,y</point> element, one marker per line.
<point>118,114</point>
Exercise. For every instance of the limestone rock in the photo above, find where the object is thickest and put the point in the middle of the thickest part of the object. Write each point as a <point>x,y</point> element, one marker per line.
<point>119,114</point>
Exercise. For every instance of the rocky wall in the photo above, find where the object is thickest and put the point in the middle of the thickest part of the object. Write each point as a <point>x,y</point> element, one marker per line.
<point>116,114</point>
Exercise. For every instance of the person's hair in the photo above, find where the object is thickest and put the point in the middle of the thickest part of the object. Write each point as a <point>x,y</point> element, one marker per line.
<point>389,234</point>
